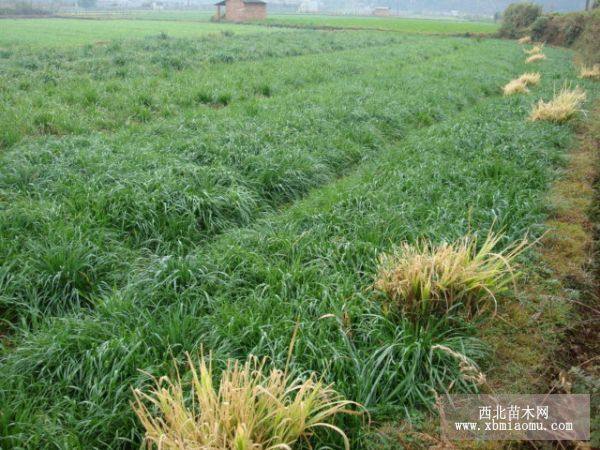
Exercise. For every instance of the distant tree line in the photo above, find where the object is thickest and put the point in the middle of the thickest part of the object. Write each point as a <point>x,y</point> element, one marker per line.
<point>22,9</point>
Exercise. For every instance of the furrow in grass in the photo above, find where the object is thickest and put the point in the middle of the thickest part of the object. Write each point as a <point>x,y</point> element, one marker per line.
<point>244,292</point>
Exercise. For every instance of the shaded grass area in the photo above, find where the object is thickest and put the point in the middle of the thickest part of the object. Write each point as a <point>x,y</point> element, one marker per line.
<point>404,25</point>
<point>81,213</point>
<point>66,382</point>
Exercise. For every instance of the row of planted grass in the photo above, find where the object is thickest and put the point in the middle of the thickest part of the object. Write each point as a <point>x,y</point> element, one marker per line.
<point>418,281</point>
<point>134,81</point>
<point>312,265</point>
<point>60,32</point>
<point>82,213</point>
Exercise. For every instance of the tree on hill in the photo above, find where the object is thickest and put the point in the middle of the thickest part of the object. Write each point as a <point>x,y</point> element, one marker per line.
<point>517,17</point>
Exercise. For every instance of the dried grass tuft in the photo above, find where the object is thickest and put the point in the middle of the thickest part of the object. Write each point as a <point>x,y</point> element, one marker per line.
<point>561,108</point>
<point>530,78</point>
<point>250,410</point>
<point>515,87</point>
<point>536,57</point>
<point>592,73</point>
<point>519,85</point>
<point>424,279</point>
<point>536,49</point>
<point>525,40</point>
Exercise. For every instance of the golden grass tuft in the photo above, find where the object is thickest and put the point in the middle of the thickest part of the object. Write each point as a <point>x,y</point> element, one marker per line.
<point>561,108</point>
<point>525,40</point>
<point>515,87</point>
<point>425,279</point>
<point>536,57</point>
<point>530,78</point>
<point>250,410</point>
<point>536,49</point>
<point>593,72</point>
<point>519,85</point>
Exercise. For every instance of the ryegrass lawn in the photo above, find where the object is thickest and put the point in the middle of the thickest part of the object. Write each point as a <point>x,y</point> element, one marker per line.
<point>432,26</point>
<point>93,30</point>
<point>161,194</point>
<point>57,32</point>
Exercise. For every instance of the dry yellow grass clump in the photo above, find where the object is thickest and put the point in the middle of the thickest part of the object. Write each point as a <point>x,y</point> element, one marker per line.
<point>536,57</point>
<point>250,410</point>
<point>561,108</point>
<point>525,40</point>
<point>530,78</point>
<point>517,86</point>
<point>424,278</point>
<point>536,49</point>
<point>593,72</point>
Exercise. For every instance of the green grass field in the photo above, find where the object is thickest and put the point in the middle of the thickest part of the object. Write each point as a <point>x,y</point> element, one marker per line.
<point>89,29</point>
<point>400,24</point>
<point>73,32</point>
<point>164,192</point>
<point>433,26</point>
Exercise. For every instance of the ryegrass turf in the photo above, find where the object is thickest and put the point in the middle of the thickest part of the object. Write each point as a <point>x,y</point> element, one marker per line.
<point>404,25</point>
<point>98,28</point>
<point>225,189</point>
<point>59,32</point>
<point>175,169</point>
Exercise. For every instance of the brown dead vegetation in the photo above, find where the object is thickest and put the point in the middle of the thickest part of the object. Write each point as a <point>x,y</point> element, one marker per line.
<point>525,40</point>
<point>590,72</point>
<point>565,104</point>
<point>535,58</point>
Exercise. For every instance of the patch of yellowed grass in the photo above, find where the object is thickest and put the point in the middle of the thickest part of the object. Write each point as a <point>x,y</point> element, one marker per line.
<point>593,72</point>
<point>251,409</point>
<point>535,49</point>
<point>424,279</point>
<point>536,57</point>
<point>517,86</point>
<point>561,108</point>
<point>530,78</point>
<point>525,40</point>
